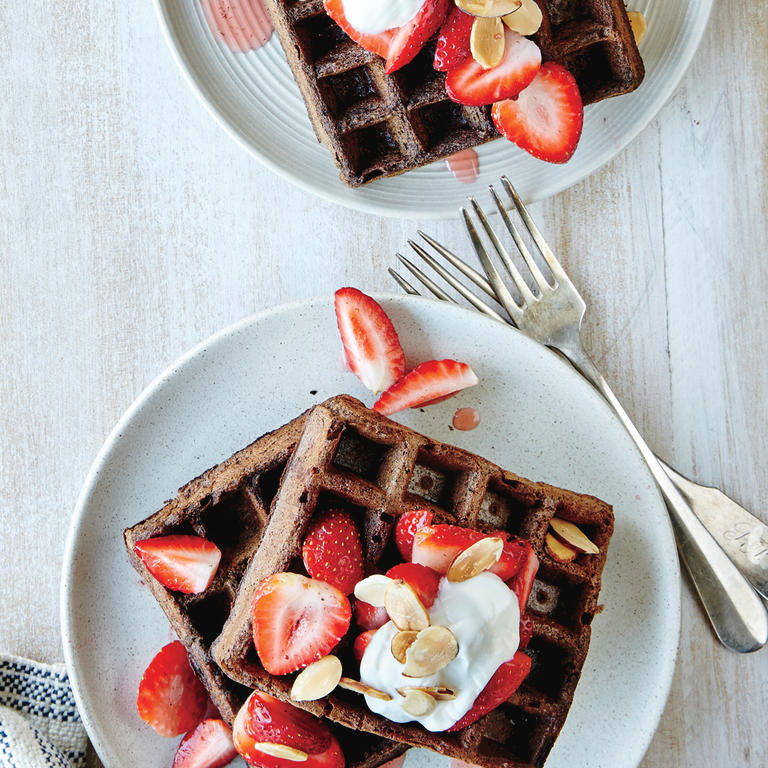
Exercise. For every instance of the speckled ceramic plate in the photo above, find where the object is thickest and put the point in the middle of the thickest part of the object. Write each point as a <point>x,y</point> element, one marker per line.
<point>539,418</point>
<point>254,97</point>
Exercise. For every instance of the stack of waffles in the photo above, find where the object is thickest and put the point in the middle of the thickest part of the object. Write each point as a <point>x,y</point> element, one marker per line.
<point>257,505</point>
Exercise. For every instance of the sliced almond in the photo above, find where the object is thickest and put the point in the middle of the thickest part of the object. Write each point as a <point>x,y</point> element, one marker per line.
<point>639,27</point>
<point>317,680</point>
<point>418,703</point>
<point>280,750</point>
<point>433,649</point>
<point>526,19</point>
<point>476,558</point>
<point>404,607</point>
<point>401,642</point>
<point>559,551</point>
<point>373,590</point>
<point>572,535</point>
<point>366,690</point>
<point>486,41</point>
<point>488,8</point>
<point>440,693</point>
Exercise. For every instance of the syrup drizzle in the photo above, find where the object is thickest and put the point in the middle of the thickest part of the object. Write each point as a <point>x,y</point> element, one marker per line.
<point>466,419</point>
<point>242,25</point>
<point>464,165</point>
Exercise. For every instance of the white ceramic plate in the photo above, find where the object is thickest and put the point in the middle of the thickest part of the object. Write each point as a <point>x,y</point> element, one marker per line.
<point>538,417</point>
<point>254,97</point>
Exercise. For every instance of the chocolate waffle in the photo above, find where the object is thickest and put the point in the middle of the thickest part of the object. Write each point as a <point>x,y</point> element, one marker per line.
<point>381,125</point>
<point>230,505</point>
<point>352,458</point>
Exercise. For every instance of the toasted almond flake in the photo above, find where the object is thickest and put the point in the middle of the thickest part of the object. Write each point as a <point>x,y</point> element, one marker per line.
<point>418,703</point>
<point>486,41</point>
<point>572,535</point>
<point>488,8</point>
<point>366,690</point>
<point>373,590</point>
<point>280,750</point>
<point>639,27</point>
<point>433,649</point>
<point>476,558</point>
<point>404,607</point>
<point>439,692</point>
<point>317,680</point>
<point>526,19</point>
<point>401,642</point>
<point>558,550</point>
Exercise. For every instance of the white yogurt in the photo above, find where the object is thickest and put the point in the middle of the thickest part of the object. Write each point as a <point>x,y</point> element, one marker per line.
<point>374,16</point>
<point>484,615</point>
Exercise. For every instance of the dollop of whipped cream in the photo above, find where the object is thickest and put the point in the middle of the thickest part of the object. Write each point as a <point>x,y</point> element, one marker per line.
<point>484,616</point>
<point>374,16</point>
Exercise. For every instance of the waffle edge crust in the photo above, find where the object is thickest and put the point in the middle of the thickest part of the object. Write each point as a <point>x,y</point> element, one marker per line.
<point>353,458</point>
<point>377,125</point>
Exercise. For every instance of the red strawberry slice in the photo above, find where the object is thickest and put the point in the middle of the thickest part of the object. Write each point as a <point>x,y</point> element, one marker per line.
<point>171,699</point>
<point>180,562</point>
<point>208,746</point>
<point>526,631</point>
<point>361,643</point>
<point>523,580</point>
<point>428,381</point>
<point>425,581</point>
<point>368,616</point>
<point>296,621</point>
<point>505,681</point>
<point>546,118</point>
<point>407,525</point>
<point>371,346</point>
<point>453,41</point>
<point>332,551</point>
<point>469,83</point>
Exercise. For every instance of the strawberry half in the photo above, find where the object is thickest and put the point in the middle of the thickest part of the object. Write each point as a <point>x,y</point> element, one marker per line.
<point>546,118</point>
<point>171,699</point>
<point>452,46</point>
<point>426,382</point>
<point>361,643</point>
<point>296,621</point>
<point>505,681</point>
<point>424,581</point>
<point>469,83</point>
<point>208,746</point>
<point>371,346</point>
<point>180,562</point>
<point>406,526</point>
<point>370,616</point>
<point>332,551</point>
<point>522,582</point>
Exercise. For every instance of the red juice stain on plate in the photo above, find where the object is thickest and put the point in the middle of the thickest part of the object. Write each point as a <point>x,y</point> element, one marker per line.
<point>243,25</point>
<point>464,165</point>
<point>466,419</point>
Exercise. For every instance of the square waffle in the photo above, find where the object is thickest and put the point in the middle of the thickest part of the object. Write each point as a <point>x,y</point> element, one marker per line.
<point>230,506</point>
<point>378,125</point>
<point>352,458</point>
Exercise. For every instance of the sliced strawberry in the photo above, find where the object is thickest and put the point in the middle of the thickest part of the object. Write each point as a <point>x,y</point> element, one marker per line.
<point>469,83</point>
<point>378,43</point>
<point>180,562</point>
<point>523,580</point>
<point>361,643</point>
<point>453,41</point>
<point>171,699</point>
<point>208,746</point>
<point>526,631</point>
<point>296,621</point>
<point>425,581</point>
<point>505,681</point>
<point>407,524</point>
<point>368,616</point>
<point>546,118</point>
<point>371,346</point>
<point>428,381</point>
<point>332,551</point>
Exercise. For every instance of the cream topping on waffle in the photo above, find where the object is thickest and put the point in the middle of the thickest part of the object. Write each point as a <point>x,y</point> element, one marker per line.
<point>484,616</point>
<point>374,16</point>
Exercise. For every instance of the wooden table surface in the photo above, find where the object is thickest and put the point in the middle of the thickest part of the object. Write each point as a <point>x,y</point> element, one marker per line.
<point>131,227</point>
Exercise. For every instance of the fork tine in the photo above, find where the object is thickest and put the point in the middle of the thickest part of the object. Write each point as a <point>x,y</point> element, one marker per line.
<point>504,296</point>
<point>429,284</point>
<point>478,304</point>
<point>478,279</point>
<point>403,283</point>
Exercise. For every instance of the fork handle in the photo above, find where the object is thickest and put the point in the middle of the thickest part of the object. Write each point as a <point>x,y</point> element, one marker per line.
<point>737,614</point>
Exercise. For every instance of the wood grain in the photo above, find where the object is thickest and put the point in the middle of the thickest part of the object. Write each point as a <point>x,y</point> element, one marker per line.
<point>131,228</point>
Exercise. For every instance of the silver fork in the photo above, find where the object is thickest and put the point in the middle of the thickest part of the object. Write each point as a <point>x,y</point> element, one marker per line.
<point>553,316</point>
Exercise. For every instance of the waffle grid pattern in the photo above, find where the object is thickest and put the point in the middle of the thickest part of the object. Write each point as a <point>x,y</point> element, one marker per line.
<point>352,458</point>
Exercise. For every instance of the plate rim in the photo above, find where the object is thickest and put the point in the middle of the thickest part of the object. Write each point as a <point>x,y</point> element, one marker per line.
<point>207,98</point>
<point>67,587</point>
